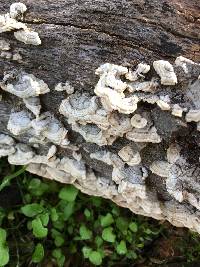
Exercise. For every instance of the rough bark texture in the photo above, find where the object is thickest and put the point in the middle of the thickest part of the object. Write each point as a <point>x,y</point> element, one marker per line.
<point>79,36</point>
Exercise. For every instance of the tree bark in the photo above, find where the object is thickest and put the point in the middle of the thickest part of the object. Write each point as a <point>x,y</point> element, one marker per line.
<point>79,36</point>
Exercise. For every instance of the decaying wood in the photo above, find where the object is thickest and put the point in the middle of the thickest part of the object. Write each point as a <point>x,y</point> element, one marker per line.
<point>78,37</point>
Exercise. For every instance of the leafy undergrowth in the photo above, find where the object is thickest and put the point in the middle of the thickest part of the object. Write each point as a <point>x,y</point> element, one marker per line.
<point>45,223</point>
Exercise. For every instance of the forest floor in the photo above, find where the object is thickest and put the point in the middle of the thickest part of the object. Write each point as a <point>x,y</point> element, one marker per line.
<point>50,224</point>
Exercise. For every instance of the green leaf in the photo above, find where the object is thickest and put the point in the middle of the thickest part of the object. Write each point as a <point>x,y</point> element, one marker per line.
<point>54,214</point>
<point>60,258</point>
<point>38,253</point>
<point>86,251</point>
<point>85,233</point>
<point>108,235</point>
<point>44,218</point>
<point>122,224</point>
<point>133,227</point>
<point>4,250</point>
<point>87,213</point>
<point>57,253</point>
<point>70,229</point>
<point>131,255</point>
<point>98,241</point>
<point>6,180</point>
<point>121,248</point>
<point>115,211</point>
<point>2,216</point>
<point>96,201</point>
<point>68,210</point>
<point>31,210</point>
<point>148,231</point>
<point>59,241</point>
<point>39,230</point>
<point>34,184</point>
<point>107,220</point>
<point>95,258</point>
<point>68,193</point>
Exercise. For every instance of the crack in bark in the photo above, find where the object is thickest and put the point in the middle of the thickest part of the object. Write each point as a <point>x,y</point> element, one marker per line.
<point>128,43</point>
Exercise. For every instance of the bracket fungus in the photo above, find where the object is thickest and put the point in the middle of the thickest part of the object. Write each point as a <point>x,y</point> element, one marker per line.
<point>33,104</point>
<point>28,37</point>
<point>145,135</point>
<point>182,182</point>
<point>24,85</point>
<point>142,68</point>
<point>17,10</point>
<point>137,121</point>
<point>166,72</point>
<point>160,168</point>
<point>19,122</point>
<point>6,145</point>
<point>8,22</point>
<point>69,89</point>
<point>130,155</point>
<point>193,115</point>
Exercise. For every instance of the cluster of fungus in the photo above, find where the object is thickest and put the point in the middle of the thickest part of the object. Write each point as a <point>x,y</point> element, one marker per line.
<point>118,110</point>
<point>9,22</point>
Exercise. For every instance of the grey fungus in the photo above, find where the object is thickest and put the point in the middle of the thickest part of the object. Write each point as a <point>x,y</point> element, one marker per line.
<point>8,22</point>
<point>166,72</point>
<point>193,115</point>
<point>130,155</point>
<point>25,86</point>
<point>69,89</point>
<point>4,45</point>
<point>49,127</point>
<point>160,168</point>
<point>7,145</point>
<point>137,121</point>
<point>19,122</point>
<point>33,104</point>
<point>17,10</point>
<point>23,155</point>
<point>177,110</point>
<point>142,68</point>
<point>145,135</point>
<point>28,37</point>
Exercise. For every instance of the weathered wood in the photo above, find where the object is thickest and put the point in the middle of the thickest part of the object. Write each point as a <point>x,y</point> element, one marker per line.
<point>79,36</point>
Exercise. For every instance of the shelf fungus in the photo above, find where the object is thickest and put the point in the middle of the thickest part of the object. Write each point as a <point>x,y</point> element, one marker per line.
<point>142,68</point>
<point>17,10</point>
<point>130,155</point>
<point>8,22</point>
<point>148,86</point>
<point>182,182</point>
<point>19,122</point>
<point>111,93</point>
<point>69,89</point>
<point>177,110</point>
<point>23,155</point>
<point>137,121</point>
<point>166,72</point>
<point>160,168</point>
<point>84,109</point>
<point>7,145</point>
<point>28,37</point>
<point>193,115</point>
<point>49,127</point>
<point>33,104</point>
<point>145,135</point>
<point>24,85</point>
<point>4,46</point>
<point>91,133</point>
